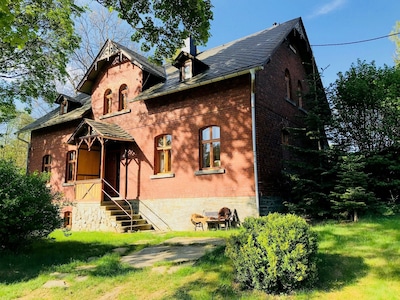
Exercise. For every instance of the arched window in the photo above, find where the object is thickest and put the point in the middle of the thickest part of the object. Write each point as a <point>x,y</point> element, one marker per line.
<point>210,147</point>
<point>67,219</point>
<point>300,93</point>
<point>46,163</point>
<point>288,84</point>
<point>163,154</point>
<point>70,171</point>
<point>123,97</point>
<point>107,102</point>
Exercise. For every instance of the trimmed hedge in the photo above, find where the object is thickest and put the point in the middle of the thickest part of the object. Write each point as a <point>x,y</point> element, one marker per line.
<point>276,253</point>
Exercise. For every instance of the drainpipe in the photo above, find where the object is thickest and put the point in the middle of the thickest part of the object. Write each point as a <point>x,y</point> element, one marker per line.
<point>253,134</point>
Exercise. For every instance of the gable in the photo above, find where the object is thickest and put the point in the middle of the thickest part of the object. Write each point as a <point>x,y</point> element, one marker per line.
<point>113,54</point>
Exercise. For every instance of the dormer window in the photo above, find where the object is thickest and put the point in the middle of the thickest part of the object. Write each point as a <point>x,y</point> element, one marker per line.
<point>64,107</point>
<point>186,72</point>
<point>188,66</point>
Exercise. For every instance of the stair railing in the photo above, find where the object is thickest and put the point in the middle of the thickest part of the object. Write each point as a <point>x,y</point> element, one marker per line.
<point>130,213</point>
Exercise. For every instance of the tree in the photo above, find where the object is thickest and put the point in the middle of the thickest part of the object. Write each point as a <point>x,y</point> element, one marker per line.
<point>94,27</point>
<point>12,148</point>
<point>36,39</point>
<point>366,108</point>
<point>351,195</point>
<point>165,24</point>
<point>310,170</point>
<point>396,39</point>
<point>27,211</point>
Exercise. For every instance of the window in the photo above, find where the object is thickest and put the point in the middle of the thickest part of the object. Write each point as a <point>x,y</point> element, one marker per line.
<point>64,107</point>
<point>210,147</point>
<point>46,163</point>
<point>300,93</point>
<point>71,160</point>
<point>186,72</point>
<point>288,85</point>
<point>163,154</point>
<point>107,102</point>
<point>123,97</point>
<point>285,137</point>
<point>67,219</point>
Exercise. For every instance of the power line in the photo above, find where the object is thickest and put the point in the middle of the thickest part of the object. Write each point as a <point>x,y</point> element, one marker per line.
<point>356,42</point>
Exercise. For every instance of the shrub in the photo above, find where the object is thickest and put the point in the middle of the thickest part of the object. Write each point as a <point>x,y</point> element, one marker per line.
<point>26,208</point>
<point>275,254</point>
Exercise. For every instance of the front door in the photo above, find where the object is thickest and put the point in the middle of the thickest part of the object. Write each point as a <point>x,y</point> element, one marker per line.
<point>111,174</point>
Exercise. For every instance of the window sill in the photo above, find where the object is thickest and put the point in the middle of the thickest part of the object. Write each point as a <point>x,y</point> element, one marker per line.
<point>161,176</point>
<point>110,115</point>
<point>290,101</point>
<point>303,110</point>
<point>209,172</point>
<point>68,184</point>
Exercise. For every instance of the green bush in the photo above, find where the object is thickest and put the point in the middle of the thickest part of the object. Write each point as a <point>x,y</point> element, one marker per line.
<point>275,254</point>
<point>26,208</point>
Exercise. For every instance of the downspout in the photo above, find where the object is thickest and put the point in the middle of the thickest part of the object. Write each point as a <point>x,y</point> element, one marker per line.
<point>253,134</point>
<point>27,151</point>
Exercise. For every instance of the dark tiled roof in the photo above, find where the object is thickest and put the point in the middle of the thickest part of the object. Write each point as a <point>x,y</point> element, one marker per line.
<point>236,57</point>
<point>105,130</point>
<point>54,117</point>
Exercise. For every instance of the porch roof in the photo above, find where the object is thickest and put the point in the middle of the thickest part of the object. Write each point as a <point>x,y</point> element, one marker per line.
<point>91,129</point>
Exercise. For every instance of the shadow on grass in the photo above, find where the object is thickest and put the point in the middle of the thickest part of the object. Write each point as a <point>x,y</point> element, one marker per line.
<point>49,256</point>
<point>205,288</point>
<point>337,271</point>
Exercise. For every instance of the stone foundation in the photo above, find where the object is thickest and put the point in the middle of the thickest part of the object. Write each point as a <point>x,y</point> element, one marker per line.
<point>174,214</point>
<point>92,217</point>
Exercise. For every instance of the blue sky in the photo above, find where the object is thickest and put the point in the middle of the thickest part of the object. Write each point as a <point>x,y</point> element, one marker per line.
<point>325,21</point>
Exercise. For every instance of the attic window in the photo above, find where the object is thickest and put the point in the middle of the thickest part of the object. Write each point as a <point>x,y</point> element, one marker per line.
<point>64,107</point>
<point>186,70</point>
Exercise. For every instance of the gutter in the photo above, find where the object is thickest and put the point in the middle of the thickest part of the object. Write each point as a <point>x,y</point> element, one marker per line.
<point>202,83</point>
<point>253,134</point>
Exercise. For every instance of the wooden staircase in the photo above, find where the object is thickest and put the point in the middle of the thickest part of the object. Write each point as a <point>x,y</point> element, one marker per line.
<point>120,217</point>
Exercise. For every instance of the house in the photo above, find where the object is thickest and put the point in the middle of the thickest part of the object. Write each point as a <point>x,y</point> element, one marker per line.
<point>161,143</point>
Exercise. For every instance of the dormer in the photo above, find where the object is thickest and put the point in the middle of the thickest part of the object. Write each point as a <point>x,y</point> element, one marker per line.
<point>187,63</point>
<point>67,103</point>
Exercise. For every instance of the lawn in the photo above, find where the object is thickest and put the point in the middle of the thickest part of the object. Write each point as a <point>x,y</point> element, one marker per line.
<point>356,261</point>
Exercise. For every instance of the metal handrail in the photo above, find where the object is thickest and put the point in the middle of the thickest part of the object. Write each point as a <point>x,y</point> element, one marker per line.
<point>120,198</point>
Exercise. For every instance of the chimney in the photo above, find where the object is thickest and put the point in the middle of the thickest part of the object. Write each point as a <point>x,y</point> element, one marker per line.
<point>190,47</point>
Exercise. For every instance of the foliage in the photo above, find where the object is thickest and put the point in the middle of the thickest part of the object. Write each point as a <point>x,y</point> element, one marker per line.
<point>366,108</point>
<point>351,194</point>
<point>396,39</point>
<point>26,209</point>
<point>309,171</point>
<point>165,24</point>
<point>36,39</point>
<point>275,254</point>
<point>12,148</point>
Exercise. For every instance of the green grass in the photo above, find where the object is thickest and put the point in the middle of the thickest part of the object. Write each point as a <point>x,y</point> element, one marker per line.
<point>360,260</point>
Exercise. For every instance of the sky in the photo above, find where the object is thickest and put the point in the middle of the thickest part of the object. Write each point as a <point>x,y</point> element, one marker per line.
<point>325,22</point>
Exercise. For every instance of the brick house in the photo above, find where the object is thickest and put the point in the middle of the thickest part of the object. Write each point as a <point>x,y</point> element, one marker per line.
<point>204,132</point>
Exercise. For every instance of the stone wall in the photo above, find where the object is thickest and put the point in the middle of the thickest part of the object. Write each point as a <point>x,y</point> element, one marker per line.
<point>174,214</point>
<point>92,217</point>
